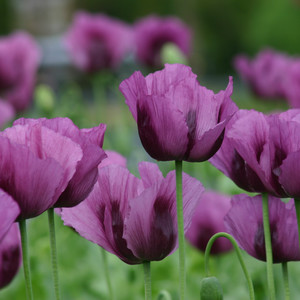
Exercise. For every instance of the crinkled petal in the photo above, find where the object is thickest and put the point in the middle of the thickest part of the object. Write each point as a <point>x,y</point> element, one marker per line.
<point>113,157</point>
<point>31,181</point>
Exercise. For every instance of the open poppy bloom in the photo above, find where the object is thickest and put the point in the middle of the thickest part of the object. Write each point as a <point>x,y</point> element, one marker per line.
<point>19,59</point>
<point>244,222</point>
<point>135,219</point>
<point>177,118</point>
<point>97,42</point>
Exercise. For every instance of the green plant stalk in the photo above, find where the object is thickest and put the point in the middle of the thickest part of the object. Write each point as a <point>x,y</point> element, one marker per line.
<point>238,253</point>
<point>180,226</point>
<point>297,208</point>
<point>53,252</point>
<point>147,280</point>
<point>286,280</point>
<point>106,271</point>
<point>268,246</point>
<point>25,254</point>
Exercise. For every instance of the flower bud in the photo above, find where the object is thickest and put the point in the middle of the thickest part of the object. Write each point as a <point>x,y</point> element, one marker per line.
<point>210,289</point>
<point>164,295</point>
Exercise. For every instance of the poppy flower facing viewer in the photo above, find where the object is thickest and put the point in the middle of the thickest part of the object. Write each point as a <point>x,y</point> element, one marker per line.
<point>152,33</point>
<point>135,219</point>
<point>209,220</point>
<point>97,42</point>
<point>244,222</point>
<point>177,118</point>
<point>19,59</point>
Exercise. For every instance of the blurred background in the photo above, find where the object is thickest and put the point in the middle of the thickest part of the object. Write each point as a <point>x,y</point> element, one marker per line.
<point>221,28</point>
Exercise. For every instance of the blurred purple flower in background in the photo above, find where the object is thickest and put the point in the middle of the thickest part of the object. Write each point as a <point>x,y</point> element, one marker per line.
<point>261,153</point>
<point>10,248</point>
<point>292,84</point>
<point>244,222</point>
<point>135,219</point>
<point>7,112</point>
<point>97,42</point>
<point>209,220</point>
<point>265,74</point>
<point>152,33</point>
<point>177,118</point>
<point>48,162</point>
<point>19,59</point>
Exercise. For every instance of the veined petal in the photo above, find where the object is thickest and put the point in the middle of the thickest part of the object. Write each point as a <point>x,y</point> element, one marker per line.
<point>28,179</point>
<point>150,174</point>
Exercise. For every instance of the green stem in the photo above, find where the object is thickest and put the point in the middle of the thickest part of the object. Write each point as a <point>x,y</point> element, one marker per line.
<point>268,246</point>
<point>238,253</point>
<point>147,279</point>
<point>286,280</point>
<point>26,264</point>
<point>53,251</point>
<point>297,208</point>
<point>180,224</point>
<point>106,271</point>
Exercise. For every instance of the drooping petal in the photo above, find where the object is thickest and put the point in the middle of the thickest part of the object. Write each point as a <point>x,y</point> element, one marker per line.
<point>10,255</point>
<point>9,211</point>
<point>244,221</point>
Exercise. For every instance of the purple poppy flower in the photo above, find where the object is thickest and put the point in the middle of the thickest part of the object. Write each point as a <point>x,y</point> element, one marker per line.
<point>244,222</point>
<point>7,112</point>
<point>133,218</point>
<point>48,162</point>
<point>90,141</point>
<point>209,220</point>
<point>177,118</point>
<point>265,74</point>
<point>10,255</point>
<point>152,33</point>
<point>19,59</point>
<point>292,84</point>
<point>261,153</point>
<point>97,42</point>
<point>10,252</point>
